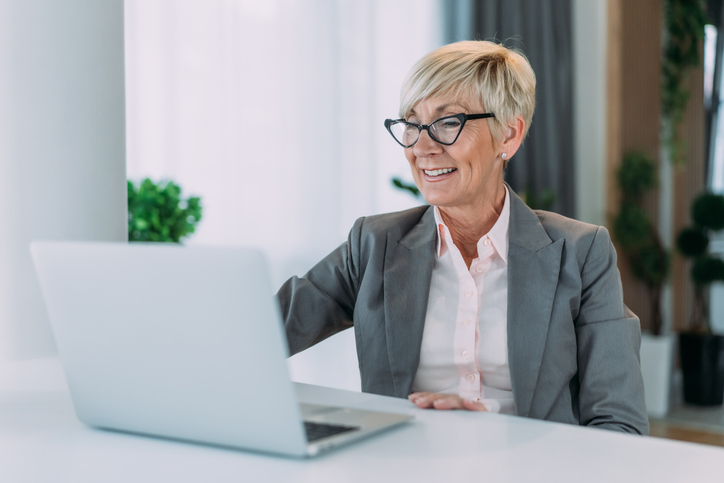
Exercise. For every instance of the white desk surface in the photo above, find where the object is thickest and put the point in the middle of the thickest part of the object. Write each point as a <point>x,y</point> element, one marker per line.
<point>42,441</point>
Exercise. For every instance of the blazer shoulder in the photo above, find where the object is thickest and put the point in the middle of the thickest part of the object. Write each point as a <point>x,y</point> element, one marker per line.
<point>559,226</point>
<point>397,223</point>
<point>578,235</point>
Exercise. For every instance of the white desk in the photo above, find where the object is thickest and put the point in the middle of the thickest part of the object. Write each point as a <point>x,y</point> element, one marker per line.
<point>41,441</point>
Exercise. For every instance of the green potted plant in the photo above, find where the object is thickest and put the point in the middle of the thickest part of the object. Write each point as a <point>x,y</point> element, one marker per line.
<point>640,244</point>
<point>684,22</point>
<point>636,234</point>
<point>158,213</point>
<point>701,351</point>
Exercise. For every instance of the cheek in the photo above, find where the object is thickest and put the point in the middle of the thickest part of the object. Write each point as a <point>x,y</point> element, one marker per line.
<point>409,155</point>
<point>411,158</point>
<point>476,153</point>
<point>478,141</point>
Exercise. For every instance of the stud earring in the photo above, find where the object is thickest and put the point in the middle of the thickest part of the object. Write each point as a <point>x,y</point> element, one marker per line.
<point>504,155</point>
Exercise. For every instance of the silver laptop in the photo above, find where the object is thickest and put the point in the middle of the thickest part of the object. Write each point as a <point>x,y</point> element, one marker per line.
<point>184,343</point>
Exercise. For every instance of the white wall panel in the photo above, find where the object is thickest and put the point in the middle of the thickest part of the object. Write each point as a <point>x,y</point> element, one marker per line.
<point>62,146</point>
<point>589,34</point>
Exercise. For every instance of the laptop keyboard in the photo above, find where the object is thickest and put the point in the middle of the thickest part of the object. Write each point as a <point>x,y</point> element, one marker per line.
<point>317,431</point>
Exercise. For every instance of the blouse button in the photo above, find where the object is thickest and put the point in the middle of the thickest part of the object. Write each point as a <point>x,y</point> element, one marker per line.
<point>486,242</point>
<point>469,293</point>
<point>464,354</point>
<point>470,377</point>
<point>479,269</point>
<point>468,322</point>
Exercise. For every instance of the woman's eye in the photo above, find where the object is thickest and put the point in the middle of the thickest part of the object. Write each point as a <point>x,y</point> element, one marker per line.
<point>451,124</point>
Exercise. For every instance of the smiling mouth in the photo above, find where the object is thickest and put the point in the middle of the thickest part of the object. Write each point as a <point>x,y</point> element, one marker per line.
<point>438,172</point>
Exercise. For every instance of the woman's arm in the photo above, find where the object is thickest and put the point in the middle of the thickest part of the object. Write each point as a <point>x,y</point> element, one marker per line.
<point>609,335</point>
<point>321,303</point>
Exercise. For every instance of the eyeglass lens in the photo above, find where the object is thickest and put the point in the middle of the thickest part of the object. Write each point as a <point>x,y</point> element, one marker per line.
<point>443,130</point>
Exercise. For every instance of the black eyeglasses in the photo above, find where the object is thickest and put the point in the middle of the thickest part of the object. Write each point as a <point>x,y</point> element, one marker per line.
<point>444,130</point>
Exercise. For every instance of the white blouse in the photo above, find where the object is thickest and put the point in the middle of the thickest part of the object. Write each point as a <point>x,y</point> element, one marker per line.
<point>465,342</point>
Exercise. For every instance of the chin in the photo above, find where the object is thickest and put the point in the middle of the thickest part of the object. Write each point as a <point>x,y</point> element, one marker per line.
<point>435,197</point>
<point>436,201</point>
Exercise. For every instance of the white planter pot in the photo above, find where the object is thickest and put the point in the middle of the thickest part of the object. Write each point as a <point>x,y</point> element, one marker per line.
<point>656,364</point>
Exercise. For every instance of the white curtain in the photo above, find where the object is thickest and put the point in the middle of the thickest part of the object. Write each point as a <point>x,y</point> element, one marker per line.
<point>272,111</point>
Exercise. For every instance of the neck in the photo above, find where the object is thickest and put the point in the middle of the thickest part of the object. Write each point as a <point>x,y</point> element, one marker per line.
<point>468,224</point>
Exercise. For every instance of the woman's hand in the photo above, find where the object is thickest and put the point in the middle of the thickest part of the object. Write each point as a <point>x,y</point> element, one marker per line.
<point>432,400</point>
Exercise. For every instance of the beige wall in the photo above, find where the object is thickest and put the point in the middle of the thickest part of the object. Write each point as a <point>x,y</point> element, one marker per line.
<point>633,122</point>
<point>688,183</point>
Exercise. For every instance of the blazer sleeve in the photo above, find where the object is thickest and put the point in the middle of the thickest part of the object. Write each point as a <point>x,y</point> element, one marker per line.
<point>321,303</point>
<point>609,337</point>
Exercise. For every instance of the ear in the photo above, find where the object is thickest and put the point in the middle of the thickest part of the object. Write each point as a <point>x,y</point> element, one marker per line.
<point>513,138</point>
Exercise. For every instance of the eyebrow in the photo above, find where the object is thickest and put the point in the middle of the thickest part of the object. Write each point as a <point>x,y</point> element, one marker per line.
<point>439,109</point>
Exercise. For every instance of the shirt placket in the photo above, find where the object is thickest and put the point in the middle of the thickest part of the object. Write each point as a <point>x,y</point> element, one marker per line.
<point>479,269</point>
<point>464,345</point>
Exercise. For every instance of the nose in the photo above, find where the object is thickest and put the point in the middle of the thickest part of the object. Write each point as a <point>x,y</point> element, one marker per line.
<point>426,146</point>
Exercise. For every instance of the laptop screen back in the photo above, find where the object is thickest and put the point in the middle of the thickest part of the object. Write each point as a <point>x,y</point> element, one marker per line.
<point>174,341</point>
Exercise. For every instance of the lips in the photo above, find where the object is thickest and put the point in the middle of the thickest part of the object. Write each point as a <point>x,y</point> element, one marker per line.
<point>433,173</point>
<point>440,174</point>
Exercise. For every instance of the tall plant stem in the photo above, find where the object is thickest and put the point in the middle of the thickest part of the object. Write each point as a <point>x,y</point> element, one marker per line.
<point>701,310</point>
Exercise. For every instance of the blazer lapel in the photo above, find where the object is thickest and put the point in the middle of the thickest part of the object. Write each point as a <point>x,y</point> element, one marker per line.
<point>407,274</point>
<point>533,268</point>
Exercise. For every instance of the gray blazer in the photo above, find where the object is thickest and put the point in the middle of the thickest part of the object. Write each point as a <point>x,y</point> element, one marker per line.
<point>573,347</point>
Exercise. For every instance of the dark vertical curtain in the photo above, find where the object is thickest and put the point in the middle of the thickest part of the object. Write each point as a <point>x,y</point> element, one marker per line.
<point>542,30</point>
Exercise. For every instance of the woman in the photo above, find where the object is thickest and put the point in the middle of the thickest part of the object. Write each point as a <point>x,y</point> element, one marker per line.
<point>476,302</point>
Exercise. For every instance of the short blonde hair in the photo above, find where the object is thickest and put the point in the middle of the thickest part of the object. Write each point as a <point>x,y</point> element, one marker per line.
<point>500,77</point>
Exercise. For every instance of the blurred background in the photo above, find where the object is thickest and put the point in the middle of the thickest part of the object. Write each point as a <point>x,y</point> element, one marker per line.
<point>271,112</point>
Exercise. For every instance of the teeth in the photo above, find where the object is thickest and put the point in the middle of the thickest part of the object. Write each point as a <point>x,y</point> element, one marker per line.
<point>438,172</point>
